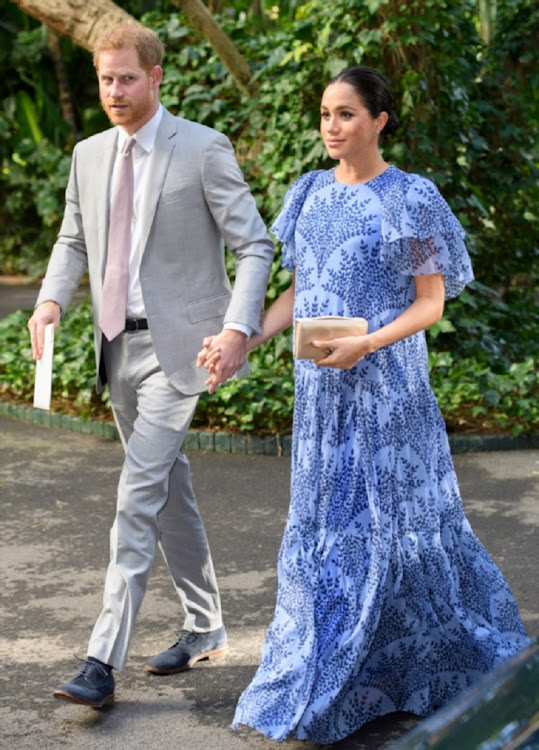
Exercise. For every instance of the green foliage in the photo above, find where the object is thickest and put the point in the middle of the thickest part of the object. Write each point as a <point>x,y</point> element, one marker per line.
<point>33,207</point>
<point>34,145</point>
<point>468,121</point>
<point>473,395</point>
<point>73,388</point>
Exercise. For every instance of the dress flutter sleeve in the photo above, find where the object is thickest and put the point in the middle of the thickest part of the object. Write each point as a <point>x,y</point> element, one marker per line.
<point>420,235</point>
<point>284,225</point>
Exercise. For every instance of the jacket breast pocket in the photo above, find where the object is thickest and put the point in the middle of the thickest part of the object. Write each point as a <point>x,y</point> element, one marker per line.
<point>208,307</point>
<point>172,196</point>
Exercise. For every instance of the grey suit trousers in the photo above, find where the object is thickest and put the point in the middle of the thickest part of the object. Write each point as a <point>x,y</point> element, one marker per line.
<point>156,504</point>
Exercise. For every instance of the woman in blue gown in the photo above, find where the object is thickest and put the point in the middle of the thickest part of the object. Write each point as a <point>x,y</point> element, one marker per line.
<point>386,599</point>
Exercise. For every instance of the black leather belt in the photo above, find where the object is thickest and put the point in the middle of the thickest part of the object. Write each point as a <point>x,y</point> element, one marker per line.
<point>136,324</point>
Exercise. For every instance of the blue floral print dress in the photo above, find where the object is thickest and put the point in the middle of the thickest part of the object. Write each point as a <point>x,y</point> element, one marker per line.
<point>387,601</point>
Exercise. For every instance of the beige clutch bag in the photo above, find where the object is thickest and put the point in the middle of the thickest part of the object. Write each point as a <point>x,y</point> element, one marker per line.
<point>324,327</point>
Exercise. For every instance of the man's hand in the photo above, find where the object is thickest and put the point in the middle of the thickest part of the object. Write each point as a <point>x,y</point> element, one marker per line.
<point>47,312</point>
<point>223,355</point>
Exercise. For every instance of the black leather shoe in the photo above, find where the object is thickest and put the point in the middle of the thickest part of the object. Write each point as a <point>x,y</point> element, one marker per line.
<point>188,649</point>
<point>93,685</point>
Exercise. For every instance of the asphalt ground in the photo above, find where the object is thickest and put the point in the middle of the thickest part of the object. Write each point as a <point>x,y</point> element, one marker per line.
<point>57,493</point>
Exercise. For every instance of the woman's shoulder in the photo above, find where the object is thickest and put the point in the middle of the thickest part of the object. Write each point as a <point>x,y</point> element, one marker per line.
<point>283,226</point>
<point>308,179</point>
<point>420,234</point>
<point>412,205</point>
<point>302,186</point>
<point>411,183</point>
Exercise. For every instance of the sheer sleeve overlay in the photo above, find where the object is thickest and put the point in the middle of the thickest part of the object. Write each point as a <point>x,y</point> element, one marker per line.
<point>420,235</point>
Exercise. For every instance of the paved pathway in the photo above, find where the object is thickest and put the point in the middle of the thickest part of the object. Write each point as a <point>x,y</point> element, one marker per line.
<point>15,295</point>
<point>57,491</point>
<point>57,503</point>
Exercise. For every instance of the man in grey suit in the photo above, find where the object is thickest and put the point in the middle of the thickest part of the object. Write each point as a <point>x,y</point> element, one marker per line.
<point>189,200</point>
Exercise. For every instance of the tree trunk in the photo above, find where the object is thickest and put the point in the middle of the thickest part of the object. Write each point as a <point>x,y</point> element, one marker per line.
<point>83,21</point>
<point>215,6</point>
<point>257,8</point>
<point>66,104</point>
<point>80,20</point>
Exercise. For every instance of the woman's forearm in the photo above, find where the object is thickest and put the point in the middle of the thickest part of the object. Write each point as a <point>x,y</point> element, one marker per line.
<point>427,309</point>
<point>276,319</point>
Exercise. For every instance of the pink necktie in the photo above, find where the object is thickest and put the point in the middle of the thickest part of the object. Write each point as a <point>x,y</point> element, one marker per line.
<point>114,296</point>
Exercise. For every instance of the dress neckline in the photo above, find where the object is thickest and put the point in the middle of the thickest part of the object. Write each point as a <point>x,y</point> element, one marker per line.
<point>358,184</point>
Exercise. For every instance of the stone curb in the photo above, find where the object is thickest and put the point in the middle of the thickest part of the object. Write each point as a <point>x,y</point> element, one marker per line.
<point>254,445</point>
<point>217,442</point>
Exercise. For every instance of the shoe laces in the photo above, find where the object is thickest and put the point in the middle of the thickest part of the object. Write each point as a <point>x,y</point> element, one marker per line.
<point>185,636</point>
<point>86,665</point>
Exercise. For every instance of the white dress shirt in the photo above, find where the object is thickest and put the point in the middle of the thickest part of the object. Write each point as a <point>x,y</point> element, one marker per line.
<point>145,141</point>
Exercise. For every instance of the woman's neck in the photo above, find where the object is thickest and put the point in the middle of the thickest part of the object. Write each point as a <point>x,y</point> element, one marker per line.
<point>354,173</point>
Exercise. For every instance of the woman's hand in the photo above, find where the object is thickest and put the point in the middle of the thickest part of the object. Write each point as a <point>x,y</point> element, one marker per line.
<point>426,309</point>
<point>204,354</point>
<point>343,353</point>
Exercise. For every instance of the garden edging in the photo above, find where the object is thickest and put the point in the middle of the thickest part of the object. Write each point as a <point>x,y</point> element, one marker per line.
<point>224,442</point>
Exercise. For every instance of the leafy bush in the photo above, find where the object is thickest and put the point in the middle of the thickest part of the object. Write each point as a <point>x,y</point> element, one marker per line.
<point>473,395</point>
<point>33,207</point>
<point>467,122</point>
<point>73,364</point>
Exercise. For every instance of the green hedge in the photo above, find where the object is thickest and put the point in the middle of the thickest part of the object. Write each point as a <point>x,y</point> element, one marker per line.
<point>468,114</point>
<point>473,397</point>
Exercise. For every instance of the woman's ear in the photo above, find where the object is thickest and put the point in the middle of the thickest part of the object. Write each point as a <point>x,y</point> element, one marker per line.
<point>381,121</point>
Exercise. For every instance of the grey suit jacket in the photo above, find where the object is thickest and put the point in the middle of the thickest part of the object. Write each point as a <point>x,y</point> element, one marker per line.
<point>197,203</point>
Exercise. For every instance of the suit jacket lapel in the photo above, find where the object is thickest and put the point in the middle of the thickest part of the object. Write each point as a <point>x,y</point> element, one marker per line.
<point>158,167</point>
<point>104,165</point>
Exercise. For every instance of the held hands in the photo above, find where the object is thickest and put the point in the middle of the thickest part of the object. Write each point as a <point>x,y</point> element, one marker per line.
<point>222,356</point>
<point>47,312</point>
<point>343,353</point>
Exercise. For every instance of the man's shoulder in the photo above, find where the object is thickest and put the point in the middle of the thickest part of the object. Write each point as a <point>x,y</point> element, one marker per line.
<point>191,129</point>
<point>97,141</point>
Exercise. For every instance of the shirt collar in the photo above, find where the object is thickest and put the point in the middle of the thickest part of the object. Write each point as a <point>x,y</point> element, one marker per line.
<point>145,136</point>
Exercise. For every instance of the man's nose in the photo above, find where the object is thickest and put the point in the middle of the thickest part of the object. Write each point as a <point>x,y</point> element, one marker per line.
<point>116,89</point>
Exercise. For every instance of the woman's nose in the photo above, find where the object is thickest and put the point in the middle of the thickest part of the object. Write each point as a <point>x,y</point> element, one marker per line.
<point>332,125</point>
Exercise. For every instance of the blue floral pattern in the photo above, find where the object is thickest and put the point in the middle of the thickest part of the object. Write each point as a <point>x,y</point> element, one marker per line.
<point>387,601</point>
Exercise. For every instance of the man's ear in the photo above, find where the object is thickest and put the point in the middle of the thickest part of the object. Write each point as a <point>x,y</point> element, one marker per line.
<point>156,76</point>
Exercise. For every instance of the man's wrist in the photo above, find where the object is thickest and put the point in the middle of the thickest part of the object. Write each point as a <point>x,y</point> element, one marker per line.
<point>239,328</point>
<point>51,302</point>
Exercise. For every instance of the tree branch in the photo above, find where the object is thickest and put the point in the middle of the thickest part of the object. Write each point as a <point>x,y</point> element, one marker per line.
<point>83,21</point>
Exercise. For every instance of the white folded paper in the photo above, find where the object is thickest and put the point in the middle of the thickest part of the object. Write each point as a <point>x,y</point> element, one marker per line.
<point>43,382</point>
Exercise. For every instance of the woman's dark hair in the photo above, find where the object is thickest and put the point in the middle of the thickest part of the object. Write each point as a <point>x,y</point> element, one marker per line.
<point>373,90</point>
